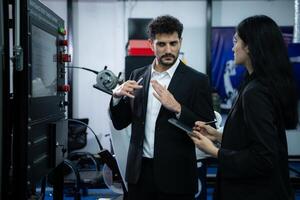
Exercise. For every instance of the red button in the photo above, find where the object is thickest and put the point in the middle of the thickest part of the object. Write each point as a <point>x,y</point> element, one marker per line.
<point>63,42</point>
<point>64,88</point>
<point>64,58</point>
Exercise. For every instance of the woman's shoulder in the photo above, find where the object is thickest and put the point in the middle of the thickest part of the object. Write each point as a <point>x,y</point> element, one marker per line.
<point>256,89</point>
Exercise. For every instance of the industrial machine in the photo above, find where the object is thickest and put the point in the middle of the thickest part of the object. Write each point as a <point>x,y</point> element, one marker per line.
<point>33,101</point>
<point>38,92</point>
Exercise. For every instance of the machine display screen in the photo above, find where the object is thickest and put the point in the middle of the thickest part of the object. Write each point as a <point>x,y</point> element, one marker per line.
<point>44,63</point>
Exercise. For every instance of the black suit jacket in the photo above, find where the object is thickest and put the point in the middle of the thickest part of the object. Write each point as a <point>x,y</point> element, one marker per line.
<point>174,152</point>
<point>253,159</point>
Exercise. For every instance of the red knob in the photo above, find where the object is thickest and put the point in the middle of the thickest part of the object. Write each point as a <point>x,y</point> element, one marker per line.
<point>65,58</point>
<point>64,88</point>
<point>63,42</point>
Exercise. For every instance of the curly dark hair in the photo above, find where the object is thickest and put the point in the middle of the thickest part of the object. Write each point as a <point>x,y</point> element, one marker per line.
<point>164,24</point>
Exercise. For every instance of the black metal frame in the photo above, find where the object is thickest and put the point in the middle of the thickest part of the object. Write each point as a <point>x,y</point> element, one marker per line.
<point>19,176</point>
<point>70,52</point>
<point>36,136</point>
<point>6,102</point>
<point>1,88</point>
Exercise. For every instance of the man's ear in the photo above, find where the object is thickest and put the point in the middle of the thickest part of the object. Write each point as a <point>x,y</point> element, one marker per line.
<point>151,42</point>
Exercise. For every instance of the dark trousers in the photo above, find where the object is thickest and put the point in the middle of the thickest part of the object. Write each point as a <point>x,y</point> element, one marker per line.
<point>146,187</point>
<point>202,170</point>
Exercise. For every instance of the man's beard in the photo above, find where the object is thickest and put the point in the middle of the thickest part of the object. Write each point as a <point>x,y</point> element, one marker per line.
<point>161,62</point>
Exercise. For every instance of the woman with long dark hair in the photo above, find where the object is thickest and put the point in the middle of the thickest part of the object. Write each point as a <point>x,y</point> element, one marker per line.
<point>253,157</point>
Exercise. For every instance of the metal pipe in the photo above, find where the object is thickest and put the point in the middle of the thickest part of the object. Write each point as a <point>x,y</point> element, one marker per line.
<point>296,38</point>
<point>1,89</point>
<point>208,37</point>
<point>17,23</point>
<point>70,52</point>
<point>18,51</point>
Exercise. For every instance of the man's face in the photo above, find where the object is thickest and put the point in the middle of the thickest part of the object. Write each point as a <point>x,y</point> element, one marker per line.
<point>166,48</point>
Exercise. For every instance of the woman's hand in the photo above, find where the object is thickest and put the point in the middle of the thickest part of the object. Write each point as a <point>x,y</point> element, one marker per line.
<point>204,143</point>
<point>208,131</point>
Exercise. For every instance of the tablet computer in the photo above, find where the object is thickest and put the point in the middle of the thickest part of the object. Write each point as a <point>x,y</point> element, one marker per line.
<point>180,125</point>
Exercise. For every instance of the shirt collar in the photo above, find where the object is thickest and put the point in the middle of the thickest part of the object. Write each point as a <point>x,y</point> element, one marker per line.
<point>170,71</point>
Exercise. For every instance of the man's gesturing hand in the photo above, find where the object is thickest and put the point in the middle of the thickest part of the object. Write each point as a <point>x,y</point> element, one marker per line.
<point>165,97</point>
<point>126,89</point>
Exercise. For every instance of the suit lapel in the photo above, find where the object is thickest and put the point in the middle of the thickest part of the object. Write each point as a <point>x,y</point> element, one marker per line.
<point>231,110</point>
<point>177,79</point>
<point>146,76</point>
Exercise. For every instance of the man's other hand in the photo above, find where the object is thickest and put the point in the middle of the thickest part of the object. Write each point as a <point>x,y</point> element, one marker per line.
<point>165,97</point>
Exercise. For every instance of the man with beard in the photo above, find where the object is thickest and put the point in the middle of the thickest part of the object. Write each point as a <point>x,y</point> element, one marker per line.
<point>161,161</point>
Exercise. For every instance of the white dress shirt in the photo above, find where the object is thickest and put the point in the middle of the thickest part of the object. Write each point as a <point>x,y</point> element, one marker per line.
<point>153,107</point>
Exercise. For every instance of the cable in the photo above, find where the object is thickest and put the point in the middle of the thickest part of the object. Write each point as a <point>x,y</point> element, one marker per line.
<point>80,122</point>
<point>87,69</point>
